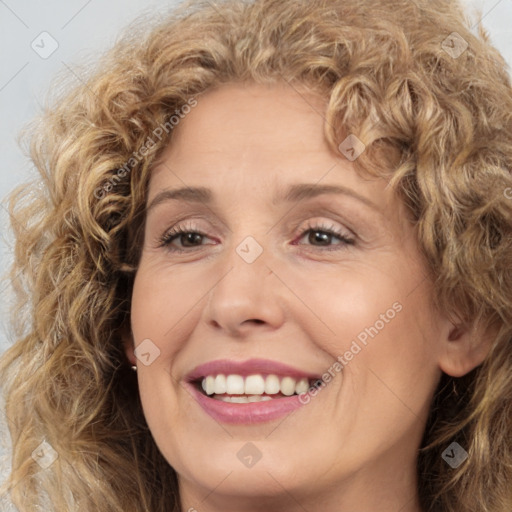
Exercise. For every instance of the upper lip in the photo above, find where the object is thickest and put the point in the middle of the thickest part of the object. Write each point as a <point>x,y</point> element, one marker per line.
<point>248,367</point>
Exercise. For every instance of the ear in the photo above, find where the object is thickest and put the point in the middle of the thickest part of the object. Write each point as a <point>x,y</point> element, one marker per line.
<point>464,347</point>
<point>128,344</point>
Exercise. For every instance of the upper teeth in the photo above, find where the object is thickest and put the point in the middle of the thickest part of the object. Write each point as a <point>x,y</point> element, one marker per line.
<point>253,385</point>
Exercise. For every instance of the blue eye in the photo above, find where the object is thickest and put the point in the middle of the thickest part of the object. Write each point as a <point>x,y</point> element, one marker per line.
<point>317,235</point>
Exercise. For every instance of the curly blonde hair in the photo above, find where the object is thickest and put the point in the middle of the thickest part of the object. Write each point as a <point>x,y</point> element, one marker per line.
<point>408,77</point>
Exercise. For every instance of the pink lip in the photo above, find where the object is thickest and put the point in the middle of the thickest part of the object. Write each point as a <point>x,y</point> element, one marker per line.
<point>253,412</point>
<point>249,367</point>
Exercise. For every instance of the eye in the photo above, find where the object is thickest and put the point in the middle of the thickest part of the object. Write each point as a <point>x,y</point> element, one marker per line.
<point>320,235</point>
<point>187,236</point>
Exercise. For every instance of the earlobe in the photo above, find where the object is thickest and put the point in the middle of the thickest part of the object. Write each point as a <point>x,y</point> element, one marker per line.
<point>465,347</point>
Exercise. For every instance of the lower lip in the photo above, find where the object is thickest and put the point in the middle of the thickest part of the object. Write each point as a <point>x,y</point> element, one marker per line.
<point>253,412</point>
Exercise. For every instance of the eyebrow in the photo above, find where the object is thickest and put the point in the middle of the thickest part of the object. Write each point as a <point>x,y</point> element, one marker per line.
<point>190,194</point>
<point>307,191</point>
<point>294,193</point>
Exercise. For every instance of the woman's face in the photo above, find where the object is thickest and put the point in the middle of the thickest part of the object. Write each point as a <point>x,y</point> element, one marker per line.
<point>293,268</point>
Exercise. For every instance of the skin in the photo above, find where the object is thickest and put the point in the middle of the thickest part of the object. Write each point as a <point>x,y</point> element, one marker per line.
<point>353,447</point>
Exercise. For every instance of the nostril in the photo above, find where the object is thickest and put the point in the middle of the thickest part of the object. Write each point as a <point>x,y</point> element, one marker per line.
<point>258,321</point>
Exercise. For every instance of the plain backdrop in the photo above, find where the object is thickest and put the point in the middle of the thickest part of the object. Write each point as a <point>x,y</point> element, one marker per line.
<point>39,40</point>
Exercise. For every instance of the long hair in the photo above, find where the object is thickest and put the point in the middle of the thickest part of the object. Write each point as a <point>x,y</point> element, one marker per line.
<point>410,79</point>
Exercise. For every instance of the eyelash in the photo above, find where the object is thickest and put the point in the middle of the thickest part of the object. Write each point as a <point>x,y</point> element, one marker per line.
<point>166,239</point>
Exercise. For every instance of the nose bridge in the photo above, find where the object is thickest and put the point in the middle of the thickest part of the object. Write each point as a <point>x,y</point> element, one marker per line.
<point>247,291</point>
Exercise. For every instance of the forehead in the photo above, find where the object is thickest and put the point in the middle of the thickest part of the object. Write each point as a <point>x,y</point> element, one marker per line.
<point>238,119</point>
<point>237,126</point>
<point>243,138</point>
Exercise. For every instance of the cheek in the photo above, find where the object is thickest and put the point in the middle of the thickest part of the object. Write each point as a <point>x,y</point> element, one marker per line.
<point>162,300</point>
<point>348,303</point>
<point>378,321</point>
<point>392,366</point>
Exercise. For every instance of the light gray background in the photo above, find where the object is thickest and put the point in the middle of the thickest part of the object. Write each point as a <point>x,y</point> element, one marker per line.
<point>82,30</point>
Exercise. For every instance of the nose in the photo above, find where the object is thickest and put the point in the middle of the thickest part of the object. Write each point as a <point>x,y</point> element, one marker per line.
<point>249,296</point>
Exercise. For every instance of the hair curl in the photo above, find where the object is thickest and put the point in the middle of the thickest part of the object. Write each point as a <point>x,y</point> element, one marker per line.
<point>386,77</point>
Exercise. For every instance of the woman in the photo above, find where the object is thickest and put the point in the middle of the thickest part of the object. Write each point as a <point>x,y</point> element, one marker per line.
<point>269,268</point>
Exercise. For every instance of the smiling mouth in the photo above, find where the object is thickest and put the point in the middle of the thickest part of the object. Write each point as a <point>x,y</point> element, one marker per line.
<point>252,388</point>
